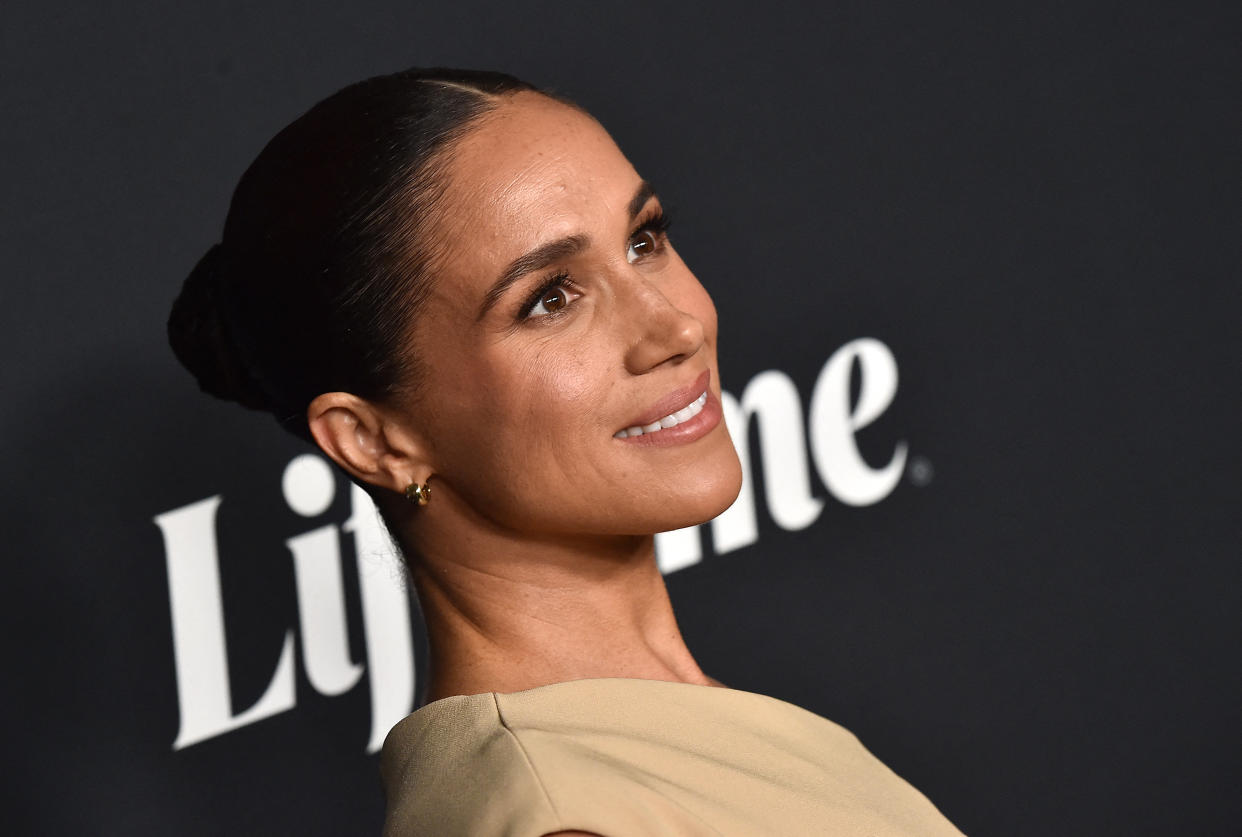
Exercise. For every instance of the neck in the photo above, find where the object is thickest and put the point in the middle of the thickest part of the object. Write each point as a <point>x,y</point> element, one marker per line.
<point>506,614</point>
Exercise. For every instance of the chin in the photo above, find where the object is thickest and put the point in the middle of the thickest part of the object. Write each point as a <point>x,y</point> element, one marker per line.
<point>706,499</point>
<point>726,480</point>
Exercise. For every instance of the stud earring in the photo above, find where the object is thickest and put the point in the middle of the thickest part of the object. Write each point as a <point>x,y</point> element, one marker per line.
<point>418,493</point>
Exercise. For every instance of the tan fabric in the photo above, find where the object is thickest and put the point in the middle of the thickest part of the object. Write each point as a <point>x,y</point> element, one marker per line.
<point>623,757</point>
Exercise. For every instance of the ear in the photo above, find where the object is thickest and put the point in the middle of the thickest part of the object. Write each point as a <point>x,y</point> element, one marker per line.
<point>367,442</point>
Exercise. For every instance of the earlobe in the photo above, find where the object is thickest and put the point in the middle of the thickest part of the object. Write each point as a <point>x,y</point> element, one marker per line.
<point>358,436</point>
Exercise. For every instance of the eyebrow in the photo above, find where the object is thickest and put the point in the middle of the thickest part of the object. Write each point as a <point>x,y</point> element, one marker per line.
<point>552,252</point>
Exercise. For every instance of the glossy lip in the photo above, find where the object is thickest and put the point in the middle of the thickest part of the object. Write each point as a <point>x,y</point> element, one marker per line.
<point>695,428</point>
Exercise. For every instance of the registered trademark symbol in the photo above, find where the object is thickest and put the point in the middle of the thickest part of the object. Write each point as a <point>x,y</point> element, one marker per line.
<point>920,471</point>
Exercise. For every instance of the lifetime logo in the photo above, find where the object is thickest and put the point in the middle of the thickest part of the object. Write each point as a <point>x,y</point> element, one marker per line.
<point>309,486</point>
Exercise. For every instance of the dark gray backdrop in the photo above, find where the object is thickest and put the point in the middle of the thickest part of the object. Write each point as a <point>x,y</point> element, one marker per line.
<point>1035,208</point>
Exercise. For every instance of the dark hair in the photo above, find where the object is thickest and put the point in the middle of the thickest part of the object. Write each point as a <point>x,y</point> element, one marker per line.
<point>319,272</point>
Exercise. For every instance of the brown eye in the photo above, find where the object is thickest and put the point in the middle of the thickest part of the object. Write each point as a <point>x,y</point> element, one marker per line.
<point>553,300</point>
<point>644,243</point>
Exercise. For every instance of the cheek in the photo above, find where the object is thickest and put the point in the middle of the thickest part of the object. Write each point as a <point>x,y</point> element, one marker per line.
<point>518,412</point>
<point>550,387</point>
<point>695,301</point>
<point>690,296</point>
<point>557,379</point>
<point>528,444</point>
<point>708,317</point>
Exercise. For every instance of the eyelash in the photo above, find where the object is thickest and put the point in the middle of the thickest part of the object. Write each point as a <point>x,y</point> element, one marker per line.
<point>558,279</point>
<point>656,223</point>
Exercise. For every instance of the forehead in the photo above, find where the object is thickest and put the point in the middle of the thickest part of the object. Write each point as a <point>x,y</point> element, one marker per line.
<point>532,170</point>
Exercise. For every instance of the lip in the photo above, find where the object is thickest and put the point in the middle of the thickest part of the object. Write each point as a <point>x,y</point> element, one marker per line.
<point>687,431</point>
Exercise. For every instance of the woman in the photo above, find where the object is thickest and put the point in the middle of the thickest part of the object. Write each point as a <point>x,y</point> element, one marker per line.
<point>462,292</point>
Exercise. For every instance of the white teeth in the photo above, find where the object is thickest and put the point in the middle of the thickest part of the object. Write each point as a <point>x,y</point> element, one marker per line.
<point>672,420</point>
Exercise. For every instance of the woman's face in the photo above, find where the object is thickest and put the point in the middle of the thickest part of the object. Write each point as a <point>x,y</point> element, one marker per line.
<point>560,317</point>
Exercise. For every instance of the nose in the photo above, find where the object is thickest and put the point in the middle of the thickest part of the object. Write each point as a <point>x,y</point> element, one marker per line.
<point>663,333</point>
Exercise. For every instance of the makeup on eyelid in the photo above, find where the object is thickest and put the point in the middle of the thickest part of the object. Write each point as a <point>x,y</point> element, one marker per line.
<point>656,223</point>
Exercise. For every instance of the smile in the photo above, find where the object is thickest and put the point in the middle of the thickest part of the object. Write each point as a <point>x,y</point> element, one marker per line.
<point>682,416</point>
<point>671,420</point>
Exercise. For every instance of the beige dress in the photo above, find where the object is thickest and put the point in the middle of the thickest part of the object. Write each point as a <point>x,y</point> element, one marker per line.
<point>622,757</point>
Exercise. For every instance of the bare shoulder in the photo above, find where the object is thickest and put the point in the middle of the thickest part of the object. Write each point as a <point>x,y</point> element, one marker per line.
<point>572,834</point>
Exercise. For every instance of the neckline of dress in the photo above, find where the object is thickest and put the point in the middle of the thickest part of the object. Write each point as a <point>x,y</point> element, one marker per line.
<point>583,681</point>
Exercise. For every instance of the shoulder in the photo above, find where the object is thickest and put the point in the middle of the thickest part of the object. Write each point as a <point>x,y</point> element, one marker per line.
<point>560,760</point>
<point>607,757</point>
<point>453,767</point>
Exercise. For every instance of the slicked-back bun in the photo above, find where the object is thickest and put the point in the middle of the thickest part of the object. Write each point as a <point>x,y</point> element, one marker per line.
<point>321,269</point>
<point>202,340</point>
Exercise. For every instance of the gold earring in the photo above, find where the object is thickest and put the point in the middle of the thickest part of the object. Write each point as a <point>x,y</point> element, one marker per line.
<point>418,493</point>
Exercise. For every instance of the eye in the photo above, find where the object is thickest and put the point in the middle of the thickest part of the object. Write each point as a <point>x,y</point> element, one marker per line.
<point>551,299</point>
<point>649,238</point>
<point>643,243</point>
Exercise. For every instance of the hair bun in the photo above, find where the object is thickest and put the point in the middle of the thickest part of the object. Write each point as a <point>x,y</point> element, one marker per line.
<point>199,334</point>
